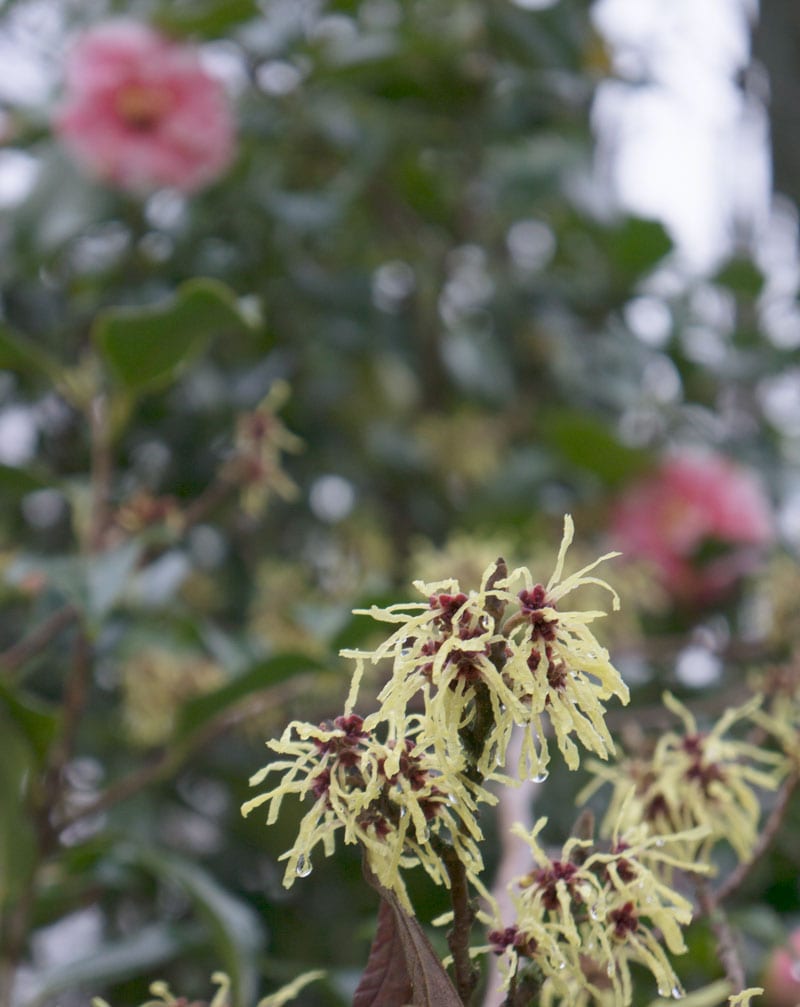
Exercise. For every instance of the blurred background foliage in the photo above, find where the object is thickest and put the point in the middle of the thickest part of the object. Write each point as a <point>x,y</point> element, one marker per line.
<point>460,338</point>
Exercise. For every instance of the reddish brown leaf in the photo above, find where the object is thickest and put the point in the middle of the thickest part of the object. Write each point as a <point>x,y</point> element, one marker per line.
<point>385,981</point>
<point>403,968</point>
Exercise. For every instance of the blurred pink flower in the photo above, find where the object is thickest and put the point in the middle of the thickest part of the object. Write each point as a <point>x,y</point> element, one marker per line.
<point>141,112</point>
<point>699,520</point>
<point>782,975</point>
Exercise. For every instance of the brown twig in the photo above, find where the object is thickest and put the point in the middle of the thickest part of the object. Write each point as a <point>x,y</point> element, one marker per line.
<point>171,760</point>
<point>768,833</point>
<point>26,648</point>
<point>45,800</point>
<point>458,938</point>
<point>726,942</point>
<point>211,497</point>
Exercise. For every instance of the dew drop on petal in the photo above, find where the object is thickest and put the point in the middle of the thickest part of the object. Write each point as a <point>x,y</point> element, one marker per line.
<point>610,969</point>
<point>541,776</point>
<point>677,993</point>
<point>304,866</point>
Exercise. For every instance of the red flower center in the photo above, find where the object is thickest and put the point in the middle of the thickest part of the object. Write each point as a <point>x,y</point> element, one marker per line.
<point>141,106</point>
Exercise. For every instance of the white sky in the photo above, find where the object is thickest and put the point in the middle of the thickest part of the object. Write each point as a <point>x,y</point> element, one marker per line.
<point>678,139</point>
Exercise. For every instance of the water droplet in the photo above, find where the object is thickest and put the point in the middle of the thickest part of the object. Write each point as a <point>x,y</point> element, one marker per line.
<point>561,965</point>
<point>659,842</point>
<point>610,969</point>
<point>541,776</point>
<point>677,993</point>
<point>594,913</point>
<point>664,991</point>
<point>304,866</point>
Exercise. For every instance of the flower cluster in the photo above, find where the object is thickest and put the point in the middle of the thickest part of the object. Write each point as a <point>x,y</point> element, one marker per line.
<point>507,654</point>
<point>584,917</point>
<point>156,682</point>
<point>256,464</point>
<point>695,778</point>
<point>400,781</point>
<point>780,716</point>
<point>392,797</point>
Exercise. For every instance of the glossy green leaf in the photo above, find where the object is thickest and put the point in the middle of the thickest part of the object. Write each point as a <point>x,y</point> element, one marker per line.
<point>15,482</point>
<point>146,347</point>
<point>117,961</point>
<point>93,583</point>
<point>21,355</point>
<point>741,276</point>
<point>235,930</point>
<point>64,575</point>
<point>209,19</point>
<point>265,674</point>
<point>34,718</point>
<point>108,575</point>
<point>585,442</point>
<point>638,245</point>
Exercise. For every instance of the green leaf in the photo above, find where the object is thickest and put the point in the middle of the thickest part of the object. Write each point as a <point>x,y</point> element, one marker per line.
<point>585,442</point>
<point>742,276</point>
<point>638,245</point>
<point>94,584</point>
<point>108,575</point>
<point>16,482</point>
<point>209,19</point>
<point>265,674</point>
<point>20,355</point>
<point>235,929</point>
<point>65,575</point>
<point>146,347</point>
<point>34,718</point>
<point>117,961</point>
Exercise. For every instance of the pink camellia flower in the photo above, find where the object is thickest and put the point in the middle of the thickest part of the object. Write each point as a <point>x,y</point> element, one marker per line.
<point>699,520</point>
<point>782,975</point>
<point>141,112</point>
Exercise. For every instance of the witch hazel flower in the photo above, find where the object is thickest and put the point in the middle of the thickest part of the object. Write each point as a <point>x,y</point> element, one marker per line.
<point>507,654</point>
<point>447,652</point>
<point>557,667</point>
<point>699,520</point>
<point>141,112</point>
<point>586,915</point>
<point>695,778</point>
<point>390,796</point>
